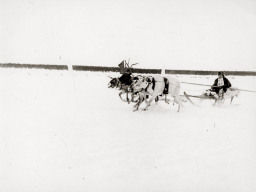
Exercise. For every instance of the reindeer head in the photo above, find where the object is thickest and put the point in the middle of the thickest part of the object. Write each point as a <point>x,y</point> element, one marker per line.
<point>113,82</point>
<point>141,84</point>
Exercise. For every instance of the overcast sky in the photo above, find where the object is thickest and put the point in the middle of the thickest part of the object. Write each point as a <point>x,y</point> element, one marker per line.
<point>175,34</point>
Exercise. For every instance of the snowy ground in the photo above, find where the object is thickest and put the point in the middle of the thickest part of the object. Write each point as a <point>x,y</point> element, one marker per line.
<point>64,131</point>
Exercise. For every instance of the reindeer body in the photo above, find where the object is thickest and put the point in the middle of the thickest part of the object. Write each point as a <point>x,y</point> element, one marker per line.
<point>146,87</point>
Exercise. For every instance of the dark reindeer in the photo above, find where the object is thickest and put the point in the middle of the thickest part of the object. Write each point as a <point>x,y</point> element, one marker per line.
<point>125,82</point>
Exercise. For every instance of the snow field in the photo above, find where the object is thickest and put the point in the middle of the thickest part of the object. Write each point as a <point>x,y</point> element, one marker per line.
<point>63,131</point>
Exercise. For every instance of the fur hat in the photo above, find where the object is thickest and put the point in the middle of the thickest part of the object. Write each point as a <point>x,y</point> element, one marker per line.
<point>221,73</point>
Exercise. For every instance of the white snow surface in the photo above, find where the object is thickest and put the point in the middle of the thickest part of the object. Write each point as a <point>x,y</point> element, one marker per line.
<point>66,131</point>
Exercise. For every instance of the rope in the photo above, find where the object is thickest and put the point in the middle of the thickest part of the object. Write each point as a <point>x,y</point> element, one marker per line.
<point>247,90</point>
<point>210,85</point>
<point>196,84</point>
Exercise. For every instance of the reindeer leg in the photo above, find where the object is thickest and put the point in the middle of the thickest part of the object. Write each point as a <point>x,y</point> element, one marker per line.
<point>166,100</point>
<point>127,97</point>
<point>231,99</point>
<point>133,97</point>
<point>120,95</point>
<point>137,105</point>
<point>178,101</point>
<point>150,101</point>
<point>156,99</point>
<point>178,108</point>
<point>132,94</point>
<point>137,99</point>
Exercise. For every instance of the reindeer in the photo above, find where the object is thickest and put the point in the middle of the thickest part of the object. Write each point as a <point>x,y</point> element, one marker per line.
<point>125,82</point>
<point>155,86</point>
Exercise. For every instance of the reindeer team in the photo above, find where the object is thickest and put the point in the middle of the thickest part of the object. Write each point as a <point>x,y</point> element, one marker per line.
<point>149,88</point>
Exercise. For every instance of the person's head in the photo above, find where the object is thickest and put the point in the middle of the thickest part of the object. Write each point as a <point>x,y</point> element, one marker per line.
<point>220,74</point>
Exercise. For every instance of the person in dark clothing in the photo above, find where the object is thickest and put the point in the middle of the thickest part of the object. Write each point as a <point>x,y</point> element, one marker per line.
<point>221,84</point>
<point>126,79</point>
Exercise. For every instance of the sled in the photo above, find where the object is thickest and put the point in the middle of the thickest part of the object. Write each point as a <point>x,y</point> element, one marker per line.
<point>229,94</point>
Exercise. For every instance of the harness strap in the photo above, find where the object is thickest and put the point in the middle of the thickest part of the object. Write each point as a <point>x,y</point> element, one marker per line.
<point>166,86</point>
<point>154,83</point>
<point>153,86</point>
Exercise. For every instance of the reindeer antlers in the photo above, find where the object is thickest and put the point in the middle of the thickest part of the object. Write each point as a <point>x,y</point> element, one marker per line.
<point>134,64</point>
<point>127,64</point>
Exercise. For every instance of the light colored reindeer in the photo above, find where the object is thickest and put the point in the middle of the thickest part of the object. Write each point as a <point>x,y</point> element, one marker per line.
<point>154,86</point>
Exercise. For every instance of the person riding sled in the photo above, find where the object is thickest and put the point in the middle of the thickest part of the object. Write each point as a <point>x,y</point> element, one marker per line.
<point>220,85</point>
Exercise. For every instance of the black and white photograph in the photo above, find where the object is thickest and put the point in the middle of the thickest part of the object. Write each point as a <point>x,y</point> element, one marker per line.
<point>128,95</point>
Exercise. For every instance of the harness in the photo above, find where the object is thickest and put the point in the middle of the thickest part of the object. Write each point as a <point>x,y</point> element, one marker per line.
<point>166,86</point>
<point>149,82</point>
